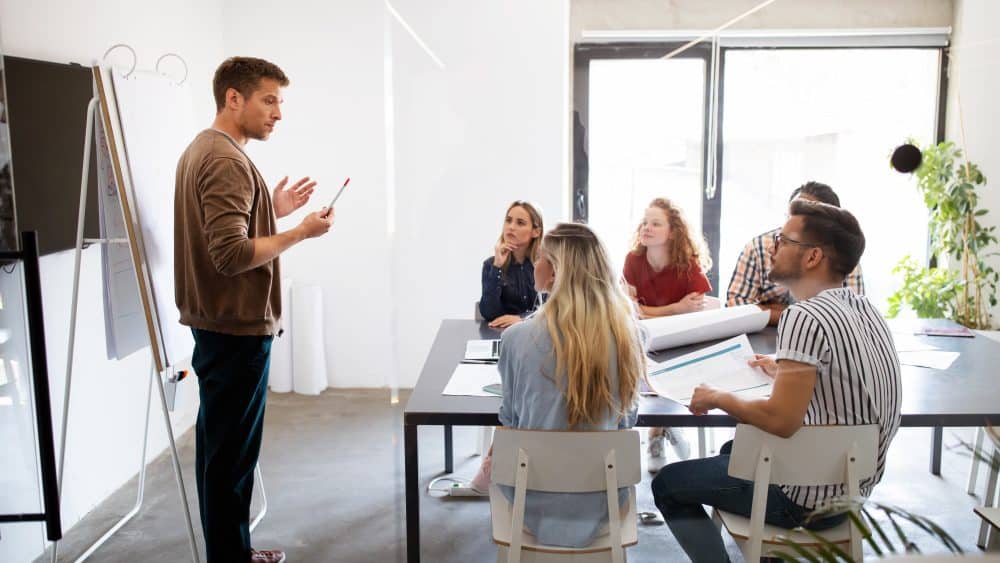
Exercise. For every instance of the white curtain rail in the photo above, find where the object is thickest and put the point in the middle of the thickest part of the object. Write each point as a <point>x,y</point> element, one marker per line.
<point>852,37</point>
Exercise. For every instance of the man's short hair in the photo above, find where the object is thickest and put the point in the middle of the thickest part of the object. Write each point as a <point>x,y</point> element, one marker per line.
<point>835,230</point>
<point>243,74</point>
<point>818,191</point>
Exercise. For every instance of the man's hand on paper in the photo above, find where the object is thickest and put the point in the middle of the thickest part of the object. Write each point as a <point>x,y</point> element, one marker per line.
<point>704,399</point>
<point>766,363</point>
<point>504,321</point>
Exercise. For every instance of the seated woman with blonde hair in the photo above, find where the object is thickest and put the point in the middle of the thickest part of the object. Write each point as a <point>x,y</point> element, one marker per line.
<point>573,365</point>
<point>508,276</point>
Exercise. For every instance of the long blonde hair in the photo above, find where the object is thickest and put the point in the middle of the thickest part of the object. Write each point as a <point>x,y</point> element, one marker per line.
<point>536,223</point>
<point>586,301</point>
<point>683,246</point>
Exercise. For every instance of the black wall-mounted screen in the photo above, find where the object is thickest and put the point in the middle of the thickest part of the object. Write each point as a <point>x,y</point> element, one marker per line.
<point>47,114</point>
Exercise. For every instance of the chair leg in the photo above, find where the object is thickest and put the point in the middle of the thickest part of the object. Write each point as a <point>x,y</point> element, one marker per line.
<point>977,449</point>
<point>483,440</point>
<point>701,441</point>
<point>716,519</point>
<point>989,499</point>
<point>992,541</point>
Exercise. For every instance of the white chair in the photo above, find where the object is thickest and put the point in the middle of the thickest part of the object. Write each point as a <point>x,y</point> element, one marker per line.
<point>988,512</point>
<point>815,455</point>
<point>977,446</point>
<point>568,462</point>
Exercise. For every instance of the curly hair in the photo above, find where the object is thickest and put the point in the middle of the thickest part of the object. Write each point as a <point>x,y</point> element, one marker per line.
<point>683,247</point>
<point>243,74</point>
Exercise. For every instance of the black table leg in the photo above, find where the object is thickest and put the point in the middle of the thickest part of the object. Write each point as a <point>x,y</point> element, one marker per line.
<point>449,451</point>
<point>412,494</point>
<point>937,437</point>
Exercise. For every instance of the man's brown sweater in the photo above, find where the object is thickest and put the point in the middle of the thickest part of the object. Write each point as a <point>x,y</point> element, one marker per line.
<point>220,203</point>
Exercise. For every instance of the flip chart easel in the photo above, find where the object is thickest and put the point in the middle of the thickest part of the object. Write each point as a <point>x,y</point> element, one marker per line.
<point>150,250</point>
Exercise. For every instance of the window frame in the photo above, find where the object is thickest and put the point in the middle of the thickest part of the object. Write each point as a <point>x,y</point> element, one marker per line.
<point>711,208</point>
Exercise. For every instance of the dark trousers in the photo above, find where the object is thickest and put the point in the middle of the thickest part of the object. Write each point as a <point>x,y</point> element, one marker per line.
<point>680,489</point>
<point>232,385</point>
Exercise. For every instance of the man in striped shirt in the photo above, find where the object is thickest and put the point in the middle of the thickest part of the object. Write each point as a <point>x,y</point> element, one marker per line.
<point>750,283</point>
<point>835,365</point>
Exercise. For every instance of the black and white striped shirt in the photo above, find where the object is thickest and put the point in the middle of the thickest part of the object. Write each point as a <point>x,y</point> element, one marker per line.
<point>857,373</point>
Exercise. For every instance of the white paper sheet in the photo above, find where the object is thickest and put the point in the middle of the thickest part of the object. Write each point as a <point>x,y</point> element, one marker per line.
<point>722,365</point>
<point>933,359</point>
<point>157,124</point>
<point>124,321</point>
<point>469,380</point>
<point>691,328</point>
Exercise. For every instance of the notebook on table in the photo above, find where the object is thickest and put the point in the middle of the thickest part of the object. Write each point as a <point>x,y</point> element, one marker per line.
<point>482,350</point>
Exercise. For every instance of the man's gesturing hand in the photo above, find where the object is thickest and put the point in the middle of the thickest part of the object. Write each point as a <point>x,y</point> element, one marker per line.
<point>286,200</point>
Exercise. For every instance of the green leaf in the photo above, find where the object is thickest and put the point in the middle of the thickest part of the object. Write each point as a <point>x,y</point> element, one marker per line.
<point>809,555</point>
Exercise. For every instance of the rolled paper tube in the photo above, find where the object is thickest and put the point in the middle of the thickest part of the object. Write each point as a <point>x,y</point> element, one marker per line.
<point>308,345</point>
<point>280,378</point>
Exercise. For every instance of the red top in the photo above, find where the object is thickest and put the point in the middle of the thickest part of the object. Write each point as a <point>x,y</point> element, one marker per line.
<point>668,286</point>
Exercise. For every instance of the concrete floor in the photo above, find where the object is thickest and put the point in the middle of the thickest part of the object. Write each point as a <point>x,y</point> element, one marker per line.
<point>333,471</point>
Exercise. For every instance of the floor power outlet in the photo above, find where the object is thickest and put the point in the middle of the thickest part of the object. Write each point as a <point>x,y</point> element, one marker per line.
<point>460,490</point>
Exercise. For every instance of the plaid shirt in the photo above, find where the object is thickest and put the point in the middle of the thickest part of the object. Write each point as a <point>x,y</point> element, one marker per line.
<point>750,284</point>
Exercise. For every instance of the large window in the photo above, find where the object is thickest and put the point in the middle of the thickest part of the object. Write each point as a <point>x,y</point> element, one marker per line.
<point>785,116</point>
<point>646,141</point>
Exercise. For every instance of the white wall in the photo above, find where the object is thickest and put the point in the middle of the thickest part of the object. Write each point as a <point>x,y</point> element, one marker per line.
<point>332,128</point>
<point>487,129</point>
<point>469,138</point>
<point>976,77</point>
<point>106,412</point>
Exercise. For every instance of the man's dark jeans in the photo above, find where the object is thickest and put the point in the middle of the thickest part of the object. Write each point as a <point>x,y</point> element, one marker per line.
<point>680,489</point>
<point>232,383</point>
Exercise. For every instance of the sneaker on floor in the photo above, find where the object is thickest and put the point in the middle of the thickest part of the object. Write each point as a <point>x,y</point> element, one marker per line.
<point>655,457</point>
<point>267,556</point>
<point>679,443</point>
<point>481,482</point>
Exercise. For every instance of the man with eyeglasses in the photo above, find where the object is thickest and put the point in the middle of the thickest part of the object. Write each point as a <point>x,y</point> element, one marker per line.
<point>750,283</point>
<point>835,364</point>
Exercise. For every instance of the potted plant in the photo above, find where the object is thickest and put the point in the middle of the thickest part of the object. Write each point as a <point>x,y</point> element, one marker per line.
<point>964,289</point>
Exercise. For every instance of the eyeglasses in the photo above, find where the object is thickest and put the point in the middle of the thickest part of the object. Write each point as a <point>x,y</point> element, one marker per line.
<point>780,239</point>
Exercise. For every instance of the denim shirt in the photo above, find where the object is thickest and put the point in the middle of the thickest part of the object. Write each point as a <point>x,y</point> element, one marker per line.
<point>512,293</point>
<point>532,400</point>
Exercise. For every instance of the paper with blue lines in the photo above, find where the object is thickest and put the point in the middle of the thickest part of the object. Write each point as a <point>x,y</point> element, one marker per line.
<point>722,365</point>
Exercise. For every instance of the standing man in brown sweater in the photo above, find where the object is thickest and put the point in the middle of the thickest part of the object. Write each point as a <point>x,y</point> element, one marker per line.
<point>226,247</point>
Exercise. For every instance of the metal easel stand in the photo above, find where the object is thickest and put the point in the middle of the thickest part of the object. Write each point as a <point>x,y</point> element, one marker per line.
<point>263,499</point>
<point>153,374</point>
